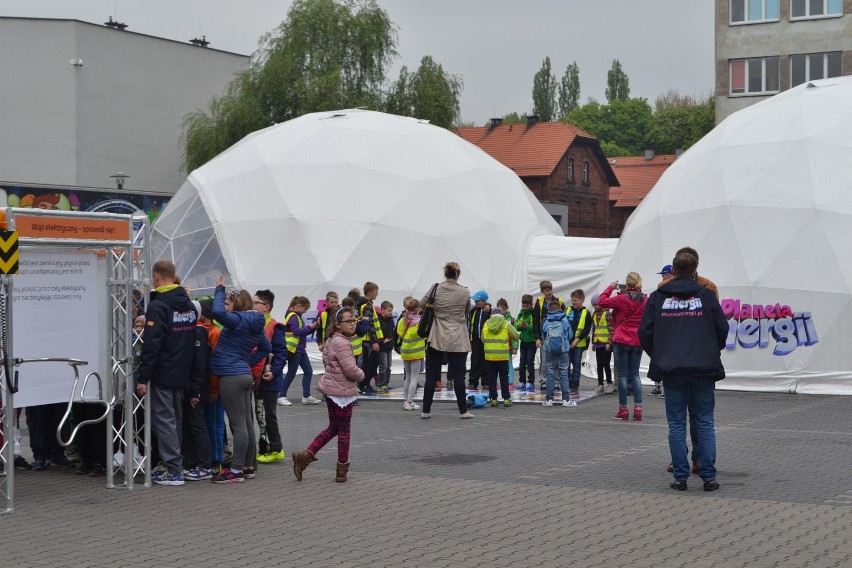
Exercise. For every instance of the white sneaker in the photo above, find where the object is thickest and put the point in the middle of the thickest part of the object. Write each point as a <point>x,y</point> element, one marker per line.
<point>415,406</point>
<point>599,389</point>
<point>425,415</point>
<point>609,388</point>
<point>310,400</point>
<point>406,406</point>
<point>569,403</point>
<point>466,415</point>
<point>548,403</point>
<point>282,401</point>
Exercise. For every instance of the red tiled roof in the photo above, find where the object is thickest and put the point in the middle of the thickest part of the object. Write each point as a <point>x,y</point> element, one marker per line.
<point>528,150</point>
<point>637,177</point>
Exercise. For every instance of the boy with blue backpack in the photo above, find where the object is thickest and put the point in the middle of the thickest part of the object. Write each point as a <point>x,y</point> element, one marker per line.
<point>556,337</point>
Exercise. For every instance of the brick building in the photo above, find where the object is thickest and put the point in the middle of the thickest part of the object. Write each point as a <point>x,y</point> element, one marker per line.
<point>562,165</point>
<point>638,176</point>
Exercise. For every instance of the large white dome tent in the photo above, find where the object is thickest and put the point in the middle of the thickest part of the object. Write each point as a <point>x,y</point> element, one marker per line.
<point>766,199</point>
<point>330,200</point>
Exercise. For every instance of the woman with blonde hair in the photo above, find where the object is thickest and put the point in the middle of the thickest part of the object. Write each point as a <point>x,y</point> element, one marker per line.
<point>627,308</point>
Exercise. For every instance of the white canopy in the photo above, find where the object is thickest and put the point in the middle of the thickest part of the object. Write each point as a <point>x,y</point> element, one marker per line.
<point>569,263</point>
<point>766,199</point>
<point>331,200</point>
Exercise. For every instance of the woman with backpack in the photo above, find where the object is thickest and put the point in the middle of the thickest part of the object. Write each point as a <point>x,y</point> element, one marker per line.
<point>627,308</point>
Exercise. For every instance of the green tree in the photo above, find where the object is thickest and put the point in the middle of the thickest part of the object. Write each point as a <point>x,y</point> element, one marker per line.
<point>680,121</point>
<point>429,93</point>
<point>327,54</point>
<point>544,92</point>
<point>514,118</point>
<point>569,89</point>
<point>617,83</point>
<point>621,126</point>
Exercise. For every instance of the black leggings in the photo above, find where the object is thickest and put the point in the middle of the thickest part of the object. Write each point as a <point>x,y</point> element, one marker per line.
<point>604,356</point>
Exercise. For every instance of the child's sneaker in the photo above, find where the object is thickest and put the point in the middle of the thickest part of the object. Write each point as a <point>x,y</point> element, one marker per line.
<point>450,384</point>
<point>21,463</point>
<point>39,464</point>
<point>249,472</point>
<point>415,406</point>
<point>228,476</point>
<point>168,479</point>
<point>548,403</point>
<point>197,474</point>
<point>599,389</point>
<point>574,394</point>
<point>507,403</point>
<point>439,386</point>
<point>609,388</point>
<point>407,405</point>
<point>494,403</point>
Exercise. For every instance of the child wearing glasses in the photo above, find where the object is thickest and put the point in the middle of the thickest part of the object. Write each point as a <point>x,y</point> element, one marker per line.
<point>339,384</point>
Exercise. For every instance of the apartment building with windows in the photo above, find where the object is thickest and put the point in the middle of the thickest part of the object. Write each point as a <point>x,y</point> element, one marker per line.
<point>764,47</point>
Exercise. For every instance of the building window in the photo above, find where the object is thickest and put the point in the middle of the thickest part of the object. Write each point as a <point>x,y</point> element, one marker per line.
<point>570,170</point>
<point>810,66</point>
<point>800,9</point>
<point>585,171</point>
<point>753,11</point>
<point>754,76</point>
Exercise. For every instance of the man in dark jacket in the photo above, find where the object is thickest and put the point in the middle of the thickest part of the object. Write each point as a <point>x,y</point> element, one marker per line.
<point>683,330</point>
<point>166,365</point>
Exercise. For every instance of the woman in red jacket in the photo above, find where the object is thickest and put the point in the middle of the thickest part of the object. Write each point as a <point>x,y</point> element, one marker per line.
<point>339,385</point>
<point>627,308</point>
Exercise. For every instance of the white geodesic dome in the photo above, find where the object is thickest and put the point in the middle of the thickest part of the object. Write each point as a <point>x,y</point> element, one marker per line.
<point>766,199</point>
<point>331,200</point>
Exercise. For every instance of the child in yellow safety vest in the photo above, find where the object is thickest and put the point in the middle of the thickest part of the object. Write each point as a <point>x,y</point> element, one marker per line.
<point>504,305</point>
<point>581,323</point>
<point>602,345</point>
<point>497,337</point>
<point>412,348</point>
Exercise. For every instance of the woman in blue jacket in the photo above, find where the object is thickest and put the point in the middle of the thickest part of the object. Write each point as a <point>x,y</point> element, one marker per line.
<point>232,360</point>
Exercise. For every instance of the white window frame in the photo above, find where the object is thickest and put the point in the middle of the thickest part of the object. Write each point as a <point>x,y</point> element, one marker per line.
<point>570,170</point>
<point>807,15</point>
<point>747,93</point>
<point>807,56</point>
<point>586,176</point>
<point>746,21</point>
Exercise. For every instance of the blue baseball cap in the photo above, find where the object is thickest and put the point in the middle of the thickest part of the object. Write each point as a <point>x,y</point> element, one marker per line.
<point>481,295</point>
<point>667,269</point>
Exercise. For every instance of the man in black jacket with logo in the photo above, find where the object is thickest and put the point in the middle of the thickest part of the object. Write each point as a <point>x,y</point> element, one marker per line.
<point>166,364</point>
<point>683,330</point>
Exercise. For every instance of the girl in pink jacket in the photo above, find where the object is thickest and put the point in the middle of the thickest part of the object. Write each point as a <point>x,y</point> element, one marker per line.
<point>339,385</point>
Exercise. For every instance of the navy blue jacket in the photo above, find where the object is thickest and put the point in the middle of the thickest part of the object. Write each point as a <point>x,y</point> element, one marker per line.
<point>199,382</point>
<point>683,330</point>
<point>168,343</point>
<point>241,333</point>
<point>279,359</point>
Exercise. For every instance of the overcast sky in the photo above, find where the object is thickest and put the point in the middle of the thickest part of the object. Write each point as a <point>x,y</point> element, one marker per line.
<point>496,46</point>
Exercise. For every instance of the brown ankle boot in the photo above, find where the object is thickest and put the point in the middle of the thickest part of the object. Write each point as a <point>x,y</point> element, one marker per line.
<point>301,461</point>
<point>342,470</point>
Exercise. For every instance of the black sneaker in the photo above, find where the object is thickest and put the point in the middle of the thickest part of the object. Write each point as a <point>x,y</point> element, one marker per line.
<point>39,464</point>
<point>97,470</point>
<point>21,463</point>
<point>679,485</point>
<point>711,485</point>
<point>656,390</point>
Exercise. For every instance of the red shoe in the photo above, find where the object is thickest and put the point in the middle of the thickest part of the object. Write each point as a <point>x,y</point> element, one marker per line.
<point>696,468</point>
<point>439,386</point>
<point>622,414</point>
<point>637,413</point>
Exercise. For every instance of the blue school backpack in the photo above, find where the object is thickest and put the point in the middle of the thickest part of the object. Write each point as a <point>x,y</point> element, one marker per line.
<point>557,336</point>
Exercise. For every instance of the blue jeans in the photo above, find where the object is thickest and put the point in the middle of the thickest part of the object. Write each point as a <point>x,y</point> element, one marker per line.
<point>575,362</point>
<point>627,359</point>
<point>296,360</point>
<point>215,416</point>
<point>699,397</point>
<point>557,363</point>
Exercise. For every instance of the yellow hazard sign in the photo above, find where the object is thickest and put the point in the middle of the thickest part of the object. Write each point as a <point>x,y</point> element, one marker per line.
<point>9,252</point>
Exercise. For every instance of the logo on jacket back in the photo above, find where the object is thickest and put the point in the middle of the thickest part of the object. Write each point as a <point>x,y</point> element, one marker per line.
<point>752,325</point>
<point>690,304</point>
<point>184,321</point>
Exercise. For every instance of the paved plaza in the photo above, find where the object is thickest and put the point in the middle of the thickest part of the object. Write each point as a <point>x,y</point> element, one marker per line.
<point>523,486</point>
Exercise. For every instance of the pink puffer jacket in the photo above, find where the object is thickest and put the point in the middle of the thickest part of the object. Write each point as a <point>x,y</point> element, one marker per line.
<point>341,372</point>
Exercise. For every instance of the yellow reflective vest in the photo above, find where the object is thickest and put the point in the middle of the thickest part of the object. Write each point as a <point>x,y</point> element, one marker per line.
<point>601,333</point>
<point>413,346</point>
<point>290,338</point>
<point>497,346</point>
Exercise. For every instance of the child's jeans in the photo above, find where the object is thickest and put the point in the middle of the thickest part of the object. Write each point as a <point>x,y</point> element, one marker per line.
<point>575,361</point>
<point>385,361</point>
<point>556,363</point>
<point>526,367</point>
